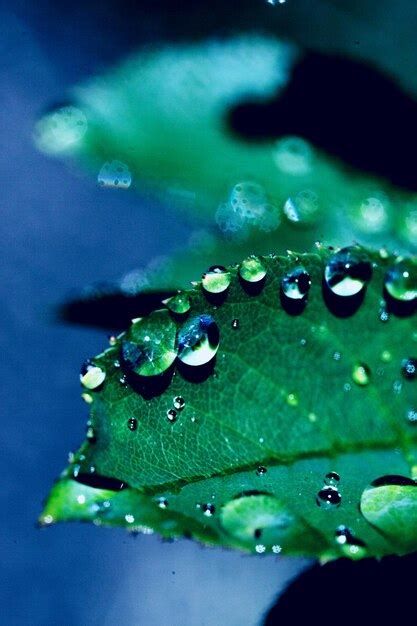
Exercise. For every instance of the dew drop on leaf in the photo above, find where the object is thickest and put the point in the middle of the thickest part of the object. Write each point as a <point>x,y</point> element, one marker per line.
<point>350,545</point>
<point>296,283</point>
<point>235,323</point>
<point>91,376</point>
<point>361,374</point>
<point>132,423</point>
<point>198,340</point>
<point>401,280</point>
<point>347,272</point>
<point>409,368</point>
<point>303,209</point>
<point>332,478</point>
<point>328,498</point>
<point>180,303</point>
<point>172,415</point>
<point>216,280</point>
<point>252,270</point>
<point>179,403</point>
<point>208,509</point>
<point>149,345</point>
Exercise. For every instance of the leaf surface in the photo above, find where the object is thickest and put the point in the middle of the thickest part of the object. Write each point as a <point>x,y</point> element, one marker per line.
<point>277,422</point>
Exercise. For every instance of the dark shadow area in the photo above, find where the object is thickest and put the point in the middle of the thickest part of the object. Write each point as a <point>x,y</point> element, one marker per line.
<point>380,591</point>
<point>111,310</point>
<point>252,289</point>
<point>400,308</point>
<point>347,109</point>
<point>292,306</point>
<point>149,386</point>
<point>196,374</point>
<point>342,306</point>
<point>100,482</point>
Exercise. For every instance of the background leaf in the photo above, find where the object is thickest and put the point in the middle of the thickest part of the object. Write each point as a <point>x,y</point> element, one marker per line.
<point>236,444</point>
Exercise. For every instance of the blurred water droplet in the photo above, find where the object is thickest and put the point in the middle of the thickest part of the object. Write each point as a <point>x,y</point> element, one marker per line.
<point>409,368</point>
<point>347,272</point>
<point>361,374</point>
<point>162,503</point>
<point>61,130</point>
<point>293,155</point>
<point>292,399</point>
<point>115,174</point>
<point>303,209</point>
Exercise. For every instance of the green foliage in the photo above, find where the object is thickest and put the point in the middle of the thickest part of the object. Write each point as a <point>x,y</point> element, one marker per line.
<point>287,421</point>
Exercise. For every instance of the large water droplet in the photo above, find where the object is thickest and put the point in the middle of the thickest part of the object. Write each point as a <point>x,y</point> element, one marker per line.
<point>216,280</point>
<point>361,374</point>
<point>328,498</point>
<point>115,174</point>
<point>252,270</point>
<point>296,283</point>
<point>149,345</point>
<point>198,340</point>
<point>348,272</point>
<point>91,375</point>
<point>401,280</point>
<point>390,505</point>
<point>180,303</point>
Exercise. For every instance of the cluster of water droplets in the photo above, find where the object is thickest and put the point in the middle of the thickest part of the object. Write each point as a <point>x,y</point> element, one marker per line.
<point>329,496</point>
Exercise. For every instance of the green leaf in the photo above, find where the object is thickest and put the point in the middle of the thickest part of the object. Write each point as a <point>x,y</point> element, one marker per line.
<point>157,123</point>
<point>292,399</point>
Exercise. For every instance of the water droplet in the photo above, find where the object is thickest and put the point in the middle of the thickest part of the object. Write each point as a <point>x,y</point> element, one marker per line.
<point>296,283</point>
<point>129,518</point>
<point>397,386</point>
<point>292,399</point>
<point>361,374</point>
<point>412,416</point>
<point>132,423</point>
<point>373,215</point>
<point>261,470</point>
<point>179,403</point>
<point>401,280</point>
<point>90,433</point>
<point>162,503</point>
<point>172,415</point>
<point>149,346</point>
<point>328,498</point>
<point>91,376</point>
<point>179,304</point>
<point>112,340</point>
<point>348,271</point>
<point>87,397</point>
<point>409,368</point>
<point>217,279</point>
<point>293,155</point>
<point>115,174</point>
<point>235,324</point>
<point>61,130</point>
<point>350,545</point>
<point>260,548</point>
<point>303,209</point>
<point>252,270</point>
<point>198,340</point>
<point>332,479</point>
<point>337,356</point>
<point>208,509</point>
<point>386,356</point>
<point>390,505</point>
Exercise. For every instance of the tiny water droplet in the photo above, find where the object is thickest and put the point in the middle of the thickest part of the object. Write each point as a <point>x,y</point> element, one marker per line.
<point>350,545</point>
<point>179,403</point>
<point>114,174</point>
<point>198,340</point>
<point>292,399</point>
<point>361,374</point>
<point>386,356</point>
<point>397,386</point>
<point>112,340</point>
<point>235,323</point>
<point>409,368</point>
<point>401,280</point>
<point>208,509</point>
<point>91,376</point>
<point>261,470</point>
<point>260,548</point>
<point>129,518</point>
<point>252,270</point>
<point>348,271</point>
<point>296,283</point>
<point>412,416</point>
<point>87,397</point>
<point>162,503</point>
<point>328,498</point>
<point>276,549</point>
<point>217,279</point>
<point>337,356</point>
<point>332,479</point>
<point>303,209</point>
<point>172,415</point>
<point>132,423</point>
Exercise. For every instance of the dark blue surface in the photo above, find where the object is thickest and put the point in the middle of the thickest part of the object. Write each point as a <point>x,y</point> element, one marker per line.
<point>59,232</point>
